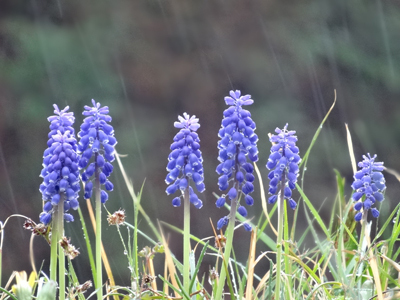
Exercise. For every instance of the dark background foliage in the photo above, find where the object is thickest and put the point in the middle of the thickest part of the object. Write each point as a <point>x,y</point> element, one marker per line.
<point>150,61</point>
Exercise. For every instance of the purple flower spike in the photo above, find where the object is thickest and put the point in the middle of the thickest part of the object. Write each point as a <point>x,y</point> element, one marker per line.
<point>237,145</point>
<point>96,144</point>
<point>369,185</point>
<point>60,166</point>
<point>185,162</point>
<point>283,163</point>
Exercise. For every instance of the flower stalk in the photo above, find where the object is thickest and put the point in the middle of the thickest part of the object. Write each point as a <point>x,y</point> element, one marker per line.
<point>61,256</point>
<point>60,186</point>
<point>99,269</point>
<point>185,165</point>
<point>97,151</point>
<point>1,247</point>
<point>237,144</point>
<point>228,248</point>
<point>186,240</point>
<point>279,243</point>
<point>283,163</point>
<point>54,249</point>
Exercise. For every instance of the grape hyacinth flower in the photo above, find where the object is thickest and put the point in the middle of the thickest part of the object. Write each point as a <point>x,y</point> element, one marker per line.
<point>283,163</point>
<point>60,167</point>
<point>185,162</point>
<point>97,152</point>
<point>237,144</point>
<point>369,185</point>
<point>97,141</point>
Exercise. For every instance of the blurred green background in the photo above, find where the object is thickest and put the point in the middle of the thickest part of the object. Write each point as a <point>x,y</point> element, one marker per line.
<point>150,61</point>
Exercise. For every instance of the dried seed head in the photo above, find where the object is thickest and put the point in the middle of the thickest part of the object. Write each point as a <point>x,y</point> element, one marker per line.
<point>37,229</point>
<point>213,275</point>
<point>220,240</point>
<point>117,218</point>
<point>84,287</point>
<point>69,249</point>
<point>148,279</point>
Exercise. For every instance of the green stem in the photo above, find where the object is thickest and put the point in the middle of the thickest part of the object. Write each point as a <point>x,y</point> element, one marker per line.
<point>1,257</point>
<point>288,265</point>
<point>89,248</point>
<point>135,239</point>
<point>186,240</point>
<point>61,256</point>
<point>361,251</point>
<point>1,247</point>
<point>54,246</point>
<point>362,234</point>
<point>99,269</point>
<point>279,238</point>
<point>228,246</point>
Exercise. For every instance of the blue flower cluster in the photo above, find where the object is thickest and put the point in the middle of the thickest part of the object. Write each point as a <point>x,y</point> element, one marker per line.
<point>60,166</point>
<point>186,158</point>
<point>238,142</point>
<point>96,140</point>
<point>369,185</point>
<point>283,163</point>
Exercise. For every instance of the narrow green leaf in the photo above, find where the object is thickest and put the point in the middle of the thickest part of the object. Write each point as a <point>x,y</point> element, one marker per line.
<point>171,286</point>
<point>314,139</point>
<point>202,253</point>
<point>74,278</point>
<point>142,233</point>
<point>320,245</point>
<point>87,241</point>
<point>350,234</point>
<point>328,283</point>
<point>194,238</point>
<point>263,237</point>
<point>8,293</point>
<point>314,212</point>
<point>388,221</point>
<point>228,280</point>
<point>184,293</point>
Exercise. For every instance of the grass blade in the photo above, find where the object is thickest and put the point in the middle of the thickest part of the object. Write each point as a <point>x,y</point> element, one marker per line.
<point>387,222</point>
<point>175,289</point>
<point>314,212</point>
<point>250,273</point>
<point>8,293</point>
<point>202,253</point>
<point>171,266</point>
<point>87,241</point>
<point>314,139</point>
<point>129,185</point>
<point>185,295</point>
<point>351,150</point>
<point>263,199</point>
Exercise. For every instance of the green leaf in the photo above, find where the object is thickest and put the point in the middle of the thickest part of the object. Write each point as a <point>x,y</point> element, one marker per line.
<point>196,270</point>
<point>8,293</point>
<point>314,212</point>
